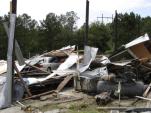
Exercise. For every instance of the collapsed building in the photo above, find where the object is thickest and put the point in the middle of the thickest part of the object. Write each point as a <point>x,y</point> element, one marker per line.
<point>125,73</point>
<point>98,75</point>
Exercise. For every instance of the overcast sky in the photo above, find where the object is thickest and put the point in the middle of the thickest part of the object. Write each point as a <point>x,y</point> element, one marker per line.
<point>38,9</point>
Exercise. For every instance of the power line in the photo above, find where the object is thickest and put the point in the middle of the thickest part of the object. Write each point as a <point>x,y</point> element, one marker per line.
<point>105,17</point>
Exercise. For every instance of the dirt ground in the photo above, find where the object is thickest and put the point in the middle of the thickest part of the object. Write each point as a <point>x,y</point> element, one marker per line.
<point>86,104</point>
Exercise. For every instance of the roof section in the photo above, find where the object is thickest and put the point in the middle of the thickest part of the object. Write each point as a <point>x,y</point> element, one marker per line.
<point>138,40</point>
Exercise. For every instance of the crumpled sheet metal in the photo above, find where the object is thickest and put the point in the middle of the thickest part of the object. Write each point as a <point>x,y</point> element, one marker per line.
<point>89,53</point>
<point>102,71</point>
<point>138,40</point>
<point>3,88</point>
<point>70,61</point>
<point>138,48</point>
<point>105,60</point>
<point>89,56</point>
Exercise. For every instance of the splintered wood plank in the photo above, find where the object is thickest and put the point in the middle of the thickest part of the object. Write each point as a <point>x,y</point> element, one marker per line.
<point>147,90</point>
<point>63,83</point>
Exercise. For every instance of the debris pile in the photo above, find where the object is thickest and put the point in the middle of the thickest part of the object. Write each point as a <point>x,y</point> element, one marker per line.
<point>124,74</point>
<point>119,76</point>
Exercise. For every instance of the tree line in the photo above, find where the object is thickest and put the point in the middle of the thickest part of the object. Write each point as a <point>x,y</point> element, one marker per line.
<point>56,31</point>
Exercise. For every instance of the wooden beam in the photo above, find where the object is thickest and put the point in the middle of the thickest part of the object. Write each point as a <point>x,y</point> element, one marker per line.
<point>63,83</point>
<point>14,6</point>
<point>37,68</point>
<point>147,90</point>
<point>42,94</point>
<point>143,98</point>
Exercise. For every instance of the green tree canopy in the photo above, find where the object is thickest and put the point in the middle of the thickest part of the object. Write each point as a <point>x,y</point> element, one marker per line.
<point>56,31</point>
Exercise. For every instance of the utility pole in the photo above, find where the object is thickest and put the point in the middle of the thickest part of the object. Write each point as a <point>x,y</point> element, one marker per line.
<point>14,11</point>
<point>14,6</point>
<point>86,23</point>
<point>9,79</point>
<point>116,35</point>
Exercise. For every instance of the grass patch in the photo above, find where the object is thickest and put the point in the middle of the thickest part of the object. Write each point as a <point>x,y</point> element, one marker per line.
<point>83,108</point>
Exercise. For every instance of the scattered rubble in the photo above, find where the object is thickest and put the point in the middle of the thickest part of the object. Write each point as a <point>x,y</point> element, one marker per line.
<point>106,78</point>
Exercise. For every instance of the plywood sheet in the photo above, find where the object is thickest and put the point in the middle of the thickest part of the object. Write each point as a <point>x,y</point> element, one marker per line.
<point>140,51</point>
